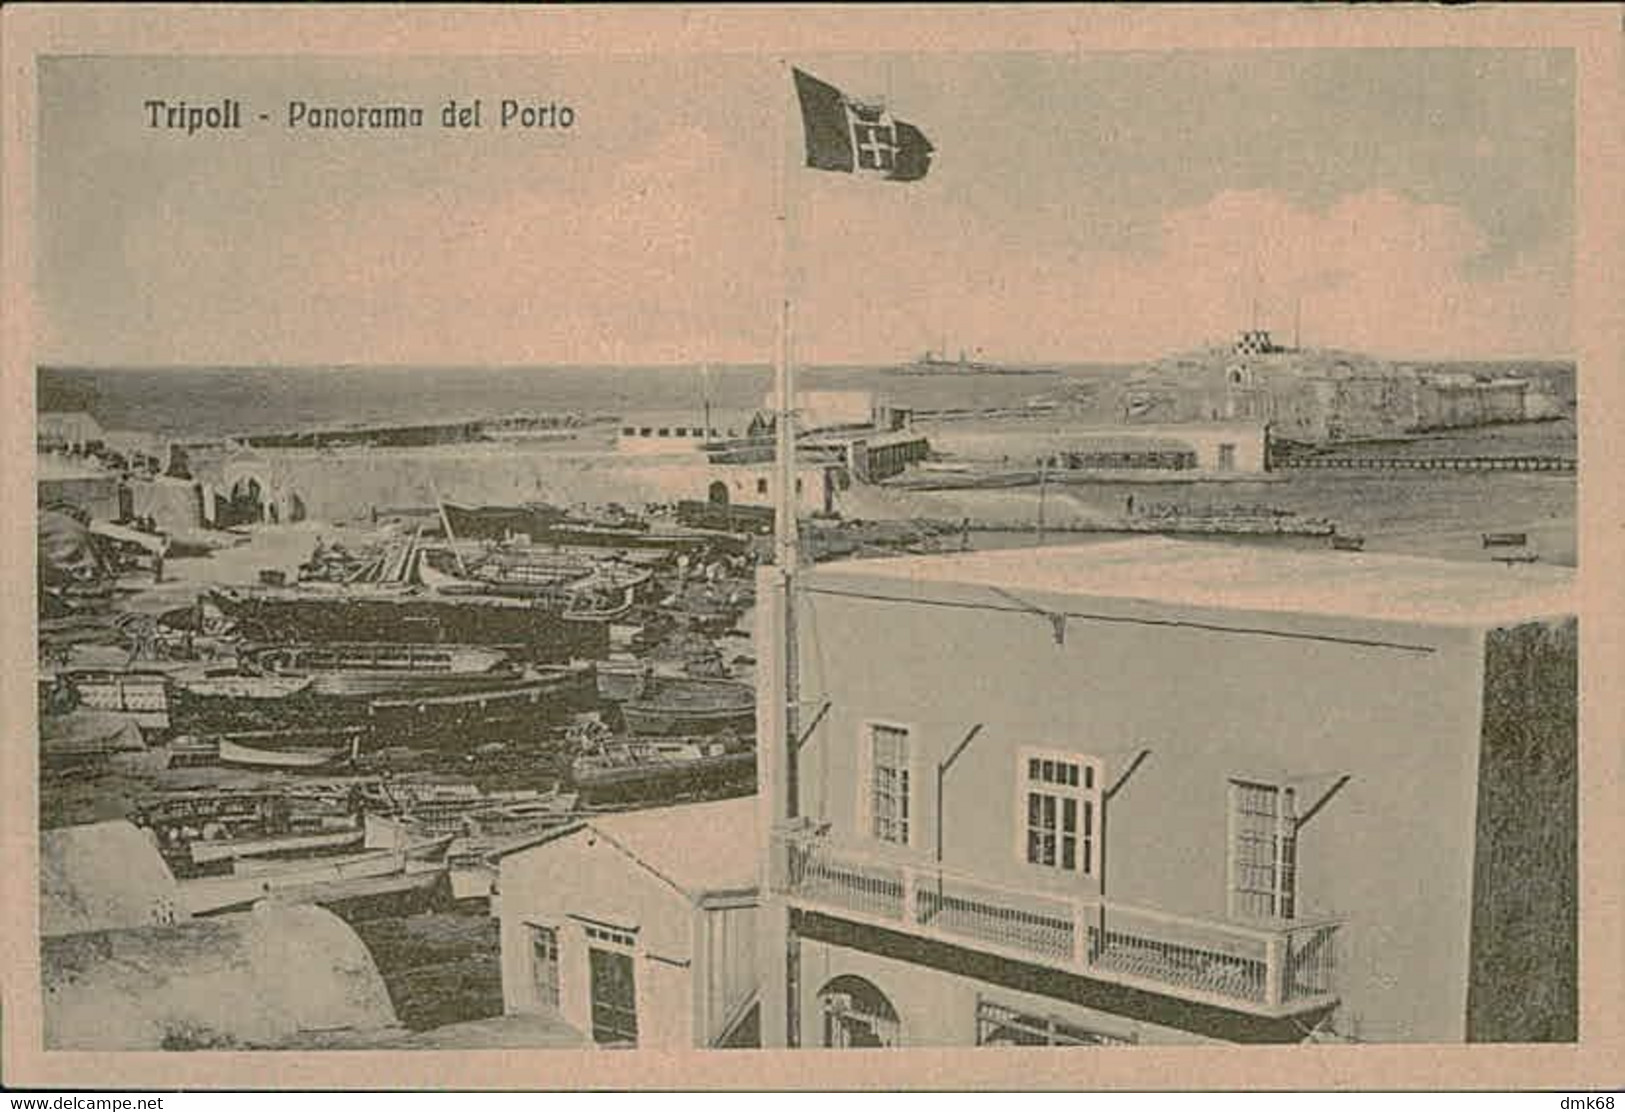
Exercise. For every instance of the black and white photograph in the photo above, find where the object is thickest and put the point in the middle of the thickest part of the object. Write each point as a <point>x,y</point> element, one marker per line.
<point>768,546</point>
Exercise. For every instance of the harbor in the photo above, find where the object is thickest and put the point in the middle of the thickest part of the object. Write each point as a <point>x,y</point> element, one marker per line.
<point>686,595</point>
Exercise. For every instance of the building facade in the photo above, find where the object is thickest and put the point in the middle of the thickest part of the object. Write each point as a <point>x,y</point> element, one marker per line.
<point>638,929</point>
<point>1162,792</point>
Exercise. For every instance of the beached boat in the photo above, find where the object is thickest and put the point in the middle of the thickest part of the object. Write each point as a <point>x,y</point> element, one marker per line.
<point>415,615</point>
<point>235,753</point>
<point>670,705</point>
<point>1505,540</point>
<point>243,685</point>
<point>1344,542</point>
<point>378,668</point>
<point>326,881</point>
<point>621,771</point>
<point>463,716</point>
<point>208,852</point>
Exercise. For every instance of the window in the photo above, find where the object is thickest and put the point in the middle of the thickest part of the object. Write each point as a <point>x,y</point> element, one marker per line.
<point>1061,809</point>
<point>889,809</point>
<point>544,954</point>
<point>1227,457</point>
<point>1263,851</point>
<point>998,1025</point>
<point>761,486</point>
<point>614,998</point>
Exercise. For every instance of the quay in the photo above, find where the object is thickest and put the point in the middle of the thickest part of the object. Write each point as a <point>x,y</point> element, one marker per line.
<point>1562,464</point>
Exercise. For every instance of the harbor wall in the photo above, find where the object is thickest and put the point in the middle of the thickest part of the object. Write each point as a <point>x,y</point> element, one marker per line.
<point>351,484</point>
<point>1030,441</point>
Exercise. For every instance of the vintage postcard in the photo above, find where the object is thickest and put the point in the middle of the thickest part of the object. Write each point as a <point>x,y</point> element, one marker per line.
<point>1077,545</point>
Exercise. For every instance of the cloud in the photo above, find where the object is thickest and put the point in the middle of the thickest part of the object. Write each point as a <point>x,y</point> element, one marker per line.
<point>1375,271</point>
<point>670,256</point>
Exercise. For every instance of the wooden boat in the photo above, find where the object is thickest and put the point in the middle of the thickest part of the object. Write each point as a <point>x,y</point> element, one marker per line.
<point>319,880</point>
<point>1505,540</point>
<point>206,852</point>
<point>363,668</point>
<point>235,753</point>
<point>244,685</point>
<point>1517,558</point>
<point>1344,542</point>
<point>643,769</point>
<point>670,705</point>
<point>543,693</point>
<point>410,615</point>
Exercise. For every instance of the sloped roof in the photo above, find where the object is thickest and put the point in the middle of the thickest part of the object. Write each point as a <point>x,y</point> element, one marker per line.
<point>698,848</point>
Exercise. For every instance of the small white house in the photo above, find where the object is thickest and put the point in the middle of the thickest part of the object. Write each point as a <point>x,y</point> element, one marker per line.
<point>638,929</point>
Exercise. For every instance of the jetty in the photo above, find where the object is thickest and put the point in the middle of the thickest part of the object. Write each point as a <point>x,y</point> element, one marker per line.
<point>1561,464</point>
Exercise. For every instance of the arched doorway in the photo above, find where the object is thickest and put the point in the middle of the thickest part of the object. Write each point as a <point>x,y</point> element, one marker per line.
<point>857,1014</point>
<point>247,502</point>
<point>719,493</point>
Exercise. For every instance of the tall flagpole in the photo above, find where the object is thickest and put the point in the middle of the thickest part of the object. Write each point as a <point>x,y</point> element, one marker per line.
<point>786,546</point>
<point>776,694</point>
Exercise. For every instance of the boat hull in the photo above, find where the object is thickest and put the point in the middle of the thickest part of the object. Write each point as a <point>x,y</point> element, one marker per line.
<point>657,779</point>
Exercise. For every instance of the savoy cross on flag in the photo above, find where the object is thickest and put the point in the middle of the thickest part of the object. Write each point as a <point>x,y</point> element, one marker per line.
<point>852,137</point>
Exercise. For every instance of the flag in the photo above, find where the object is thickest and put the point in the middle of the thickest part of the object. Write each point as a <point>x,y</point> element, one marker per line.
<point>851,137</point>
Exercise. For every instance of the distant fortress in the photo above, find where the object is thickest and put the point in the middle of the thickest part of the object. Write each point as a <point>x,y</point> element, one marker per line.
<point>1322,396</point>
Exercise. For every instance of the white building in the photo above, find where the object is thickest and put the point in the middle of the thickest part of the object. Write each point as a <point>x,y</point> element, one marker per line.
<point>638,928</point>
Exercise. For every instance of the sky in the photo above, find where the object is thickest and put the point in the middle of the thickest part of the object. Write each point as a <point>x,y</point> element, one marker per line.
<point>1080,207</point>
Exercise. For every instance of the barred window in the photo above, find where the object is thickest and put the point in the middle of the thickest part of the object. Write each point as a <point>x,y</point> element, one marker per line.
<point>889,803</point>
<point>1061,811</point>
<point>1263,851</point>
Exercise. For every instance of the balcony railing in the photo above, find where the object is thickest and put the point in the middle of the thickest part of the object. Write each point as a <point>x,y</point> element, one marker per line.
<point>1263,969</point>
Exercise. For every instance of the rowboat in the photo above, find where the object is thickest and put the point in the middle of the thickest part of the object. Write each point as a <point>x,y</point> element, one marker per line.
<point>317,880</point>
<point>204,853</point>
<point>672,705</point>
<point>235,753</point>
<point>1344,542</point>
<point>1505,540</point>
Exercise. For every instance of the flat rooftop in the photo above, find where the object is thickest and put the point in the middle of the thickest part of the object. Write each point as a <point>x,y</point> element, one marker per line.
<point>1165,572</point>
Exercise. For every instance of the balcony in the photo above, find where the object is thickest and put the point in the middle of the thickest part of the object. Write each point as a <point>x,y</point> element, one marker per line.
<point>1262,969</point>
